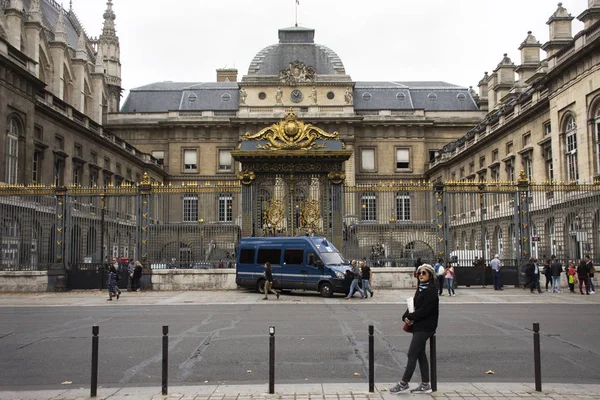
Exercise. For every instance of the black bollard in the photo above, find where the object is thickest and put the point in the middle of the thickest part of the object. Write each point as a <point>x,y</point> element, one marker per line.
<point>165,360</point>
<point>94,383</point>
<point>537,357</point>
<point>271,360</point>
<point>433,356</point>
<point>371,360</point>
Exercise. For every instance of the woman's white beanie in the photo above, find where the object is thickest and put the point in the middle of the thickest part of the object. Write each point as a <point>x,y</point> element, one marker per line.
<point>427,267</point>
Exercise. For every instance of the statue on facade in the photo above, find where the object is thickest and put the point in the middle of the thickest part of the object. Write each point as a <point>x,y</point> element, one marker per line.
<point>348,96</point>
<point>279,96</point>
<point>313,95</point>
<point>243,96</point>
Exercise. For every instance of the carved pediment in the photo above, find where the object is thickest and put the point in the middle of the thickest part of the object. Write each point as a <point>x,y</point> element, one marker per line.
<point>291,134</point>
<point>297,72</point>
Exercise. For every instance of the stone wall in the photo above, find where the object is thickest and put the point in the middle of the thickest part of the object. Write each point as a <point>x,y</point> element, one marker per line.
<point>28,281</point>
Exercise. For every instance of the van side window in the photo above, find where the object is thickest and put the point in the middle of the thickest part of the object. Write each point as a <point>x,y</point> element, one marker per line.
<point>247,256</point>
<point>271,255</point>
<point>293,256</point>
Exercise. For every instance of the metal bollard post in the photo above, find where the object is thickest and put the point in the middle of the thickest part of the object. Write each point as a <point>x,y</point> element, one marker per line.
<point>165,359</point>
<point>537,357</point>
<point>271,360</point>
<point>371,360</point>
<point>433,356</point>
<point>94,383</point>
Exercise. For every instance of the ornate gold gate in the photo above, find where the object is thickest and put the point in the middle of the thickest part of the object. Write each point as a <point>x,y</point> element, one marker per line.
<point>292,180</point>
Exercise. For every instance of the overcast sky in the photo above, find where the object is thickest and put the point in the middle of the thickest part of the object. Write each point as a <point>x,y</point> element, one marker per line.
<point>403,40</point>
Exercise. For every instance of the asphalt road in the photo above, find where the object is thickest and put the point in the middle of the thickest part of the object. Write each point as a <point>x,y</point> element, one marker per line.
<point>43,347</point>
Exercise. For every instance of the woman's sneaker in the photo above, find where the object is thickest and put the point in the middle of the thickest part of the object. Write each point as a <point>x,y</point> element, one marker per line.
<point>422,388</point>
<point>399,388</point>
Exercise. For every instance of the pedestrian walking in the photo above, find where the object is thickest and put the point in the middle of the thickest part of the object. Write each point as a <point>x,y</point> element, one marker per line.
<point>355,279</point>
<point>583,276</point>
<point>571,276</point>
<point>130,271</point>
<point>496,265</point>
<point>591,270</point>
<point>113,278</point>
<point>269,282</point>
<point>137,276</point>
<point>547,273</point>
<point>440,271</point>
<point>367,276</point>
<point>450,281</point>
<point>532,272</point>
<point>555,270</point>
<point>424,322</point>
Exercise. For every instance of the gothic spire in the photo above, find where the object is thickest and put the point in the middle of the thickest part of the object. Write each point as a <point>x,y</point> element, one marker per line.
<point>109,21</point>
<point>81,52</point>
<point>35,11</point>
<point>99,65</point>
<point>60,31</point>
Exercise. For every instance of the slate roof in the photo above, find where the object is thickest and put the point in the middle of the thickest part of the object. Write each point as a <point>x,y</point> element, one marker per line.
<point>50,10</point>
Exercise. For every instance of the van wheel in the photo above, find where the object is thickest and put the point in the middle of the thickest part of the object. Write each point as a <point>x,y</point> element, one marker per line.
<point>326,290</point>
<point>260,286</point>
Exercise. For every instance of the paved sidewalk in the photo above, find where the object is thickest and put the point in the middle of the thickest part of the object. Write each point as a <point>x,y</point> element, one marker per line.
<point>326,391</point>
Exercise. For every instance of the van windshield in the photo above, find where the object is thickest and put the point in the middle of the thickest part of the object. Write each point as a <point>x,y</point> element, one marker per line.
<point>332,258</point>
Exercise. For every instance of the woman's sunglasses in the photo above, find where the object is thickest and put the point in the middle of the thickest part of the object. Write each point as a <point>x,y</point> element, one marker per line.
<point>422,273</point>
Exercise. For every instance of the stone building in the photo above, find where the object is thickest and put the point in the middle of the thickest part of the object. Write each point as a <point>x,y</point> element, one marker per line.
<point>544,120</point>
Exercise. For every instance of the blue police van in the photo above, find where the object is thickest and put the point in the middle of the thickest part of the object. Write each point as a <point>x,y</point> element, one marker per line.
<point>303,262</point>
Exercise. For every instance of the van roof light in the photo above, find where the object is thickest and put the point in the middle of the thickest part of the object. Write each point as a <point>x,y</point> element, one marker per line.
<point>324,242</point>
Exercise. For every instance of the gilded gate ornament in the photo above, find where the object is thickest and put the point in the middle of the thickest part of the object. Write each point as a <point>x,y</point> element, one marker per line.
<point>246,177</point>
<point>291,134</point>
<point>337,177</point>
<point>310,215</point>
<point>274,215</point>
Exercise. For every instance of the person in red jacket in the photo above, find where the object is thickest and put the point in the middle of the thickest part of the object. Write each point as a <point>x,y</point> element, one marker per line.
<point>424,322</point>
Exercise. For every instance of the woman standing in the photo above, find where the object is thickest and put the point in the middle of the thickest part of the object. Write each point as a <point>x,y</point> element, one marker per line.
<point>137,275</point>
<point>424,322</point>
<point>450,280</point>
<point>269,282</point>
<point>113,277</point>
<point>367,275</point>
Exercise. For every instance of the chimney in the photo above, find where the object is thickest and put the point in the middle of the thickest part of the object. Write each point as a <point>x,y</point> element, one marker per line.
<point>560,31</point>
<point>530,57</point>
<point>227,75</point>
<point>592,15</point>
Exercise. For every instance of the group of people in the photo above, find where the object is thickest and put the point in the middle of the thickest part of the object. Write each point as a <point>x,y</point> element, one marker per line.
<point>360,272</point>
<point>134,270</point>
<point>583,274</point>
<point>444,275</point>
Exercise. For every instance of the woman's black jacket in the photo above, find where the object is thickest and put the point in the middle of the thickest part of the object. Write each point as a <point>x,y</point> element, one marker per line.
<point>427,310</point>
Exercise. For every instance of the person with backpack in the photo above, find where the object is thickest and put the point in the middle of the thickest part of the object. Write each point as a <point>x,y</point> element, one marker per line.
<point>355,273</point>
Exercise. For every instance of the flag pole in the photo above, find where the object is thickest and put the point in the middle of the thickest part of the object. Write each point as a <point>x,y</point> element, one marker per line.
<point>296,3</point>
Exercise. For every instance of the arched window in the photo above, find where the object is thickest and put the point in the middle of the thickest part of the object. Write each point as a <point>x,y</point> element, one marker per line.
<point>12,150</point>
<point>570,132</point>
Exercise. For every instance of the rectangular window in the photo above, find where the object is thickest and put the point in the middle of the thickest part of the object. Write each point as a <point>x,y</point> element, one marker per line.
<point>471,167</point>
<point>94,157</point>
<point>293,256</point>
<point>272,256</point>
<point>78,150</point>
<point>107,180</point>
<point>107,163</point>
<point>93,177</point>
<point>118,169</point>
<point>462,173</point>
<point>433,154</point>
<point>160,156</point>
<point>59,169</point>
<point>403,206</point>
<point>510,171</point>
<point>495,155</point>
<point>368,206</point>
<point>526,139</point>
<point>225,207</point>
<point>549,163</point>
<point>367,159</point>
<point>76,175</point>
<point>35,172</point>
<point>528,164</point>
<point>481,162</point>
<point>59,142</point>
<point>190,208</point>
<point>495,174</point>
<point>509,148</point>
<point>247,256</point>
<point>572,168</point>
<point>190,160</point>
<point>38,132</point>
<point>128,176</point>
<point>547,129</point>
<point>402,159</point>
<point>225,162</point>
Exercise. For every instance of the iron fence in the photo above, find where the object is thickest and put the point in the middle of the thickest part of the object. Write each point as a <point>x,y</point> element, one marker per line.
<point>199,225</point>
